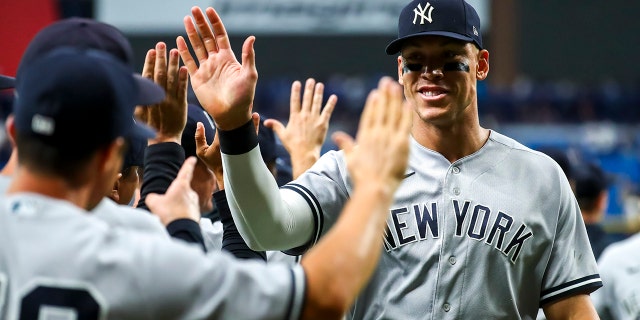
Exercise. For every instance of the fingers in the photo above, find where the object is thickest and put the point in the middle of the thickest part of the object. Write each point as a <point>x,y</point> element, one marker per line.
<point>186,171</point>
<point>160,69</point>
<point>194,38</point>
<point>221,37</point>
<point>276,126</point>
<point>185,55</point>
<point>328,108</point>
<point>255,117</point>
<point>149,64</point>
<point>316,105</point>
<point>183,84</point>
<point>249,56</point>
<point>172,71</point>
<point>366,117</point>
<point>201,140</point>
<point>307,96</point>
<point>294,102</point>
<point>344,141</point>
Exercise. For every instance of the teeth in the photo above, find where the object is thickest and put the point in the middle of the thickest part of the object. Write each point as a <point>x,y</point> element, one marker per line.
<point>431,93</point>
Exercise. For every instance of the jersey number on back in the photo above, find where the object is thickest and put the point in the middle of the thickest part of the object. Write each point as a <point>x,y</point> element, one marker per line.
<point>54,301</point>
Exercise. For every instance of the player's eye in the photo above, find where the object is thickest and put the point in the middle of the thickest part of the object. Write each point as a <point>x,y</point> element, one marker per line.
<point>414,66</point>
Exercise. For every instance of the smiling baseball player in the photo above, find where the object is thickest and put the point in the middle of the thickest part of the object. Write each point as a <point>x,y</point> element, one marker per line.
<point>482,227</point>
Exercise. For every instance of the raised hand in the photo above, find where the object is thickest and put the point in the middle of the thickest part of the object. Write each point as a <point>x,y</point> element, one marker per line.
<point>224,87</point>
<point>306,130</point>
<point>210,154</point>
<point>169,117</point>
<point>180,201</point>
<point>380,156</point>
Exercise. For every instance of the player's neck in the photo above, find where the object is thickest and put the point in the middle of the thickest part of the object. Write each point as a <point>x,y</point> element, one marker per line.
<point>24,181</point>
<point>453,142</point>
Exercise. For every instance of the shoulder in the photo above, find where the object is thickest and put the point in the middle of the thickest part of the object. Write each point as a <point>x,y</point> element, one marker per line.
<point>124,216</point>
<point>519,153</point>
<point>621,251</point>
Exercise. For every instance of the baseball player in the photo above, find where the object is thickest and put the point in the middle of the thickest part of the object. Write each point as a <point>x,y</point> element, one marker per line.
<point>619,267</point>
<point>481,227</point>
<point>58,262</point>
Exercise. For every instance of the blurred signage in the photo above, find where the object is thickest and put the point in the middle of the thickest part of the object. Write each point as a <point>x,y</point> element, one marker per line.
<point>314,17</point>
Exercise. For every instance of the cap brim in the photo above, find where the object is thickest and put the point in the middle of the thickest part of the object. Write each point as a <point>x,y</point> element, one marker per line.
<point>7,82</point>
<point>395,45</point>
<point>149,91</point>
<point>142,131</point>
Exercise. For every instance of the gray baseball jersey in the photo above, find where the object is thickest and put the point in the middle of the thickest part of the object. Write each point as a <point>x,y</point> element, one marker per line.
<point>493,235</point>
<point>117,215</point>
<point>619,267</point>
<point>57,262</point>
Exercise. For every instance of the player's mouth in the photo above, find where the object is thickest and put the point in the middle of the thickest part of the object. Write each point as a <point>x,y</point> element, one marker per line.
<point>432,92</point>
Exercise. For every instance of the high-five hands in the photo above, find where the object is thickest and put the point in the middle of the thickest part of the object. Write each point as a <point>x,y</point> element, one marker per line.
<point>381,154</point>
<point>169,117</point>
<point>306,130</point>
<point>223,86</point>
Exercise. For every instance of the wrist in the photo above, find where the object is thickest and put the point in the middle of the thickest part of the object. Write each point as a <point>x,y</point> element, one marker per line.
<point>165,138</point>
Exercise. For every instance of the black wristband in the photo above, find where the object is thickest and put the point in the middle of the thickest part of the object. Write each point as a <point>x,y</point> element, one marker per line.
<point>238,141</point>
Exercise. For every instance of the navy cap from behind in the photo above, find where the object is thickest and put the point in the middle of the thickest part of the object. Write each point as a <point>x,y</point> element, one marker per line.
<point>195,114</point>
<point>86,33</point>
<point>6,82</point>
<point>450,18</point>
<point>76,99</point>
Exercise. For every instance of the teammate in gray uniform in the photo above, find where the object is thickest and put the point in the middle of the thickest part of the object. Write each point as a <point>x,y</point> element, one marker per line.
<point>619,265</point>
<point>56,261</point>
<point>481,227</point>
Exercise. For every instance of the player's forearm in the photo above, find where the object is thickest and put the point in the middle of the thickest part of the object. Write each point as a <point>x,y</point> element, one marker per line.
<point>262,216</point>
<point>353,247</point>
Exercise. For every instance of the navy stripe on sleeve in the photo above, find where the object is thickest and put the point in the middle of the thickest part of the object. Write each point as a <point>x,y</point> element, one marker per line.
<point>318,217</point>
<point>583,285</point>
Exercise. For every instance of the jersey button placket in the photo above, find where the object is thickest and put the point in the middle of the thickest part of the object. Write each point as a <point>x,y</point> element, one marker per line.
<point>446,307</point>
<point>456,191</point>
<point>453,260</point>
<point>455,170</point>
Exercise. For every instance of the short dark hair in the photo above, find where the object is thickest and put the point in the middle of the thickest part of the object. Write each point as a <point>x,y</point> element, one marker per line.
<point>43,158</point>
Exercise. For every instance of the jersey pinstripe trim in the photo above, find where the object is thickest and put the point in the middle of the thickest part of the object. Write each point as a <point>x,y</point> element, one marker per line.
<point>586,284</point>
<point>296,301</point>
<point>318,217</point>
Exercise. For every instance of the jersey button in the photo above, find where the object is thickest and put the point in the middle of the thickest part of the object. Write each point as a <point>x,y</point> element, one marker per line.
<point>455,170</point>
<point>456,191</point>
<point>446,307</point>
<point>452,260</point>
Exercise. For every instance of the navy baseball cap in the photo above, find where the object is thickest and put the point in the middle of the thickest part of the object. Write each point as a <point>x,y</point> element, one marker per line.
<point>90,34</point>
<point>195,114</point>
<point>449,18</point>
<point>76,98</point>
<point>7,82</point>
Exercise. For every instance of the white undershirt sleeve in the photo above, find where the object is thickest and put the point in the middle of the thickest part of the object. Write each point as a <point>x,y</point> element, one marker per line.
<point>268,218</point>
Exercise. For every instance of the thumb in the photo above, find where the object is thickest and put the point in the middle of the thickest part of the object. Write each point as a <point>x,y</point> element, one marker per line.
<point>152,201</point>
<point>343,141</point>
<point>276,126</point>
<point>201,140</point>
<point>255,117</point>
<point>249,54</point>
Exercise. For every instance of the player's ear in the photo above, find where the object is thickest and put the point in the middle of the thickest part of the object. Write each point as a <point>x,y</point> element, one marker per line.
<point>11,130</point>
<point>400,72</point>
<point>482,68</point>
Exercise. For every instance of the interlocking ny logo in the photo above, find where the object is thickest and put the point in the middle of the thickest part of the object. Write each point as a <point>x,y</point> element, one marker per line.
<point>419,11</point>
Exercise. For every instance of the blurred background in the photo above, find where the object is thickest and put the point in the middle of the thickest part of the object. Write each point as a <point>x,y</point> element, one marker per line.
<point>564,74</point>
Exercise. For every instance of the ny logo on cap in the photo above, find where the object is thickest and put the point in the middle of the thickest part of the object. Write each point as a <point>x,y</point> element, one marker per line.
<point>419,11</point>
